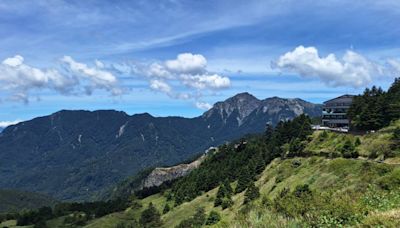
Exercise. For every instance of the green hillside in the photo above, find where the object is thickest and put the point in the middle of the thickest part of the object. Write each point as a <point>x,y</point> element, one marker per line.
<point>315,189</point>
<point>319,179</point>
<point>14,200</point>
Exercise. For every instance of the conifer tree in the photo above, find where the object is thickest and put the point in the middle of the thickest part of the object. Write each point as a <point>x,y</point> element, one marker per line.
<point>251,193</point>
<point>244,180</point>
<point>166,208</point>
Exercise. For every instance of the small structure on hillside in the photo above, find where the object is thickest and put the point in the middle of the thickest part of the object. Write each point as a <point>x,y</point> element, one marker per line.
<point>334,112</point>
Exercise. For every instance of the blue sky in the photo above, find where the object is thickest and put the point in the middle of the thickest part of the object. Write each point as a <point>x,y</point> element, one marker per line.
<point>179,57</point>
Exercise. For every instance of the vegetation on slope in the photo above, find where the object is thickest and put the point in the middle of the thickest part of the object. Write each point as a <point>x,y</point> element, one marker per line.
<point>376,108</point>
<point>311,189</point>
<point>14,200</point>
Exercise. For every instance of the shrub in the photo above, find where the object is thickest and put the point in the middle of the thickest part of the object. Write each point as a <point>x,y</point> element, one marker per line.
<point>227,202</point>
<point>324,135</point>
<point>357,142</point>
<point>251,193</point>
<point>150,217</point>
<point>213,218</point>
<point>390,181</point>
<point>197,220</point>
<point>348,150</point>
<point>224,196</point>
<point>396,134</point>
<point>380,147</point>
<point>302,190</point>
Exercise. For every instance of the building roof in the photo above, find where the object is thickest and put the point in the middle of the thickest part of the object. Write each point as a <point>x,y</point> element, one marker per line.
<point>345,97</point>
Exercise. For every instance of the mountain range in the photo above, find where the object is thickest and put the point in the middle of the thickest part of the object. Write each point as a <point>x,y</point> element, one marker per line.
<point>78,155</point>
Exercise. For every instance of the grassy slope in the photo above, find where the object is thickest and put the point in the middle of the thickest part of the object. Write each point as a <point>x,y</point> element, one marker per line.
<point>357,182</point>
<point>377,146</point>
<point>338,175</point>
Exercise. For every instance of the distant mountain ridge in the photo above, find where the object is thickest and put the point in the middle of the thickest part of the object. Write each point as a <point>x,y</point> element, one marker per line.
<point>71,154</point>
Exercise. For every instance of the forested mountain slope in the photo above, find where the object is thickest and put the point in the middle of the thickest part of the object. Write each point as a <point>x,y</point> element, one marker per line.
<point>77,155</point>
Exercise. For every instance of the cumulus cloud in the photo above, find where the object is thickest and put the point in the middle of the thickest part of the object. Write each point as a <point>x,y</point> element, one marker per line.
<point>203,105</point>
<point>159,85</point>
<point>352,69</point>
<point>20,79</point>
<point>187,70</point>
<point>159,71</point>
<point>213,81</point>
<point>187,63</point>
<point>95,76</point>
<point>184,77</point>
<point>4,124</point>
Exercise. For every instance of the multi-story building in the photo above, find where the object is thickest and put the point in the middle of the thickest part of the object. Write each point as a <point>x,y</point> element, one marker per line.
<point>334,112</point>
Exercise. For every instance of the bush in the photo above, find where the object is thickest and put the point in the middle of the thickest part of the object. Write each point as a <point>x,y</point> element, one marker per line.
<point>150,217</point>
<point>380,148</point>
<point>197,220</point>
<point>348,150</point>
<point>224,196</point>
<point>301,190</point>
<point>357,142</point>
<point>324,135</point>
<point>396,137</point>
<point>251,193</point>
<point>390,181</point>
<point>213,218</point>
<point>227,202</point>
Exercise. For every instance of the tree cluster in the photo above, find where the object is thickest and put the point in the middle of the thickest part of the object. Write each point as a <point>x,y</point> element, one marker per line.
<point>375,108</point>
<point>150,217</point>
<point>241,164</point>
<point>87,209</point>
<point>224,196</point>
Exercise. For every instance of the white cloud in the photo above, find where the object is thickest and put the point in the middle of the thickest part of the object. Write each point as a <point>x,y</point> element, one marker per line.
<point>186,77</point>
<point>159,85</point>
<point>98,78</point>
<point>19,80</point>
<point>352,70</point>
<point>159,71</point>
<point>14,61</point>
<point>187,63</point>
<point>213,81</point>
<point>187,72</point>
<point>203,105</point>
<point>395,64</point>
<point>99,64</point>
<point>4,124</point>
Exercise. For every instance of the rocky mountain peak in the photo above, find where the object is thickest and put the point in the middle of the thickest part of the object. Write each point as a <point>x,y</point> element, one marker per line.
<point>242,104</point>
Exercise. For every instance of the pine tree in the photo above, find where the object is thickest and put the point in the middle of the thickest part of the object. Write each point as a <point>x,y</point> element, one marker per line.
<point>244,180</point>
<point>251,193</point>
<point>224,195</point>
<point>166,208</point>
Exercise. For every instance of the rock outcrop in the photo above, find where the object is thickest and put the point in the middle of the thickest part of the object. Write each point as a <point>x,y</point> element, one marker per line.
<point>160,175</point>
